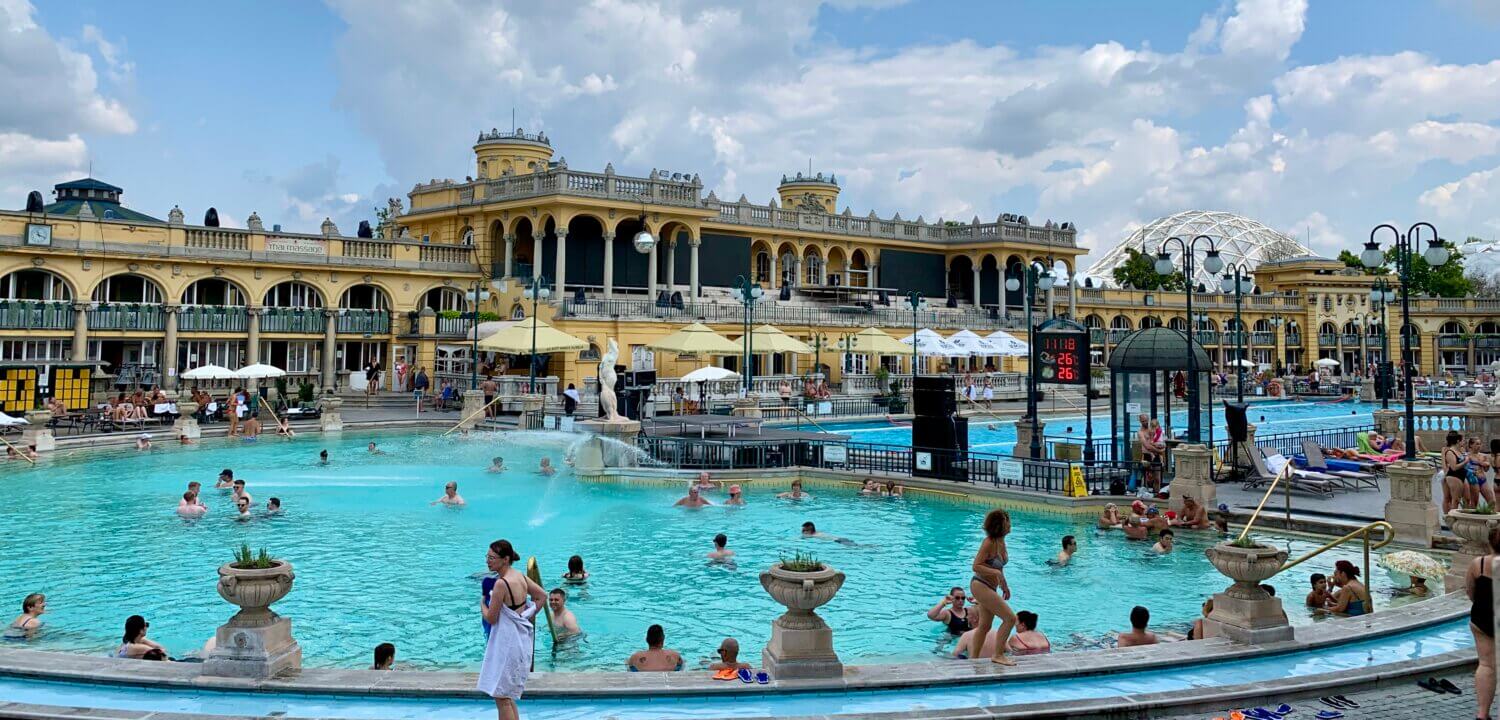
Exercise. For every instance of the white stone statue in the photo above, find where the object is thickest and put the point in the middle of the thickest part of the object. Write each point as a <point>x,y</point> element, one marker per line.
<point>607,376</point>
<point>1478,400</point>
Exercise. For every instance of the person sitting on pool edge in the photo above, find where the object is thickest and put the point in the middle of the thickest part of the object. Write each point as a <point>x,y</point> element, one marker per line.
<point>795,493</point>
<point>950,611</point>
<point>810,530</point>
<point>385,657</point>
<point>729,656</point>
<point>450,496</point>
<point>1140,617</point>
<point>564,622</point>
<point>655,658</point>
<point>1069,546</point>
<point>692,499</point>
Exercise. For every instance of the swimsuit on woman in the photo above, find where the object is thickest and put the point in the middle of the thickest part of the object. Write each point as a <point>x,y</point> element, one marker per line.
<point>1355,607</point>
<point>1459,472</point>
<point>1482,612</point>
<point>1025,649</point>
<point>994,562</point>
<point>958,624</point>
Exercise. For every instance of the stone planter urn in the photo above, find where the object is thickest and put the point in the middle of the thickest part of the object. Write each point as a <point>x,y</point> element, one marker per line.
<point>36,434</point>
<point>801,643</point>
<point>1474,529</point>
<point>1244,612</point>
<point>256,642</point>
<point>332,418</point>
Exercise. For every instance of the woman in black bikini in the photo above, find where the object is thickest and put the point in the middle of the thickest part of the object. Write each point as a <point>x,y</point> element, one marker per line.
<point>989,589</point>
<point>1479,584</point>
<point>1455,473</point>
<point>955,617</point>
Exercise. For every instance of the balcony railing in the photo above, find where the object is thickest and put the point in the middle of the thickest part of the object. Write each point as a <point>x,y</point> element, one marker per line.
<point>1351,340</point>
<point>1454,342</point>
<point>453,326</point>
<point>1118,334</point>
<point>1328,340</point>
<point>787,316</point>
<point>202,318</point>
<point>36,315</point>
<point>1487,341</point>
<point>128,316</point>
<point>358,321</point>
<point>1096,336</point>
<point>1208,337</point>
<point>1262,338</point>
<point>293,320</point>
<point>1293,339</point>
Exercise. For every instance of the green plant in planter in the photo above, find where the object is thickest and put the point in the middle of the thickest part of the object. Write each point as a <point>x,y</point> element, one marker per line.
<point>801,562</point>
<point>244,559</point>
<point>305,392</point>
<point>882,378</point>
<point>449,314</point>
<point>488,316</point>
<point>1244,542</point>
<point>1484,509</point>
<point>281,386</point>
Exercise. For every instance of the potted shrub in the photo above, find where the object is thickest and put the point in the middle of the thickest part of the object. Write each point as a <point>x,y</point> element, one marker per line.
<point>802,584</point>
<point>1474,527</point>
<point>305,392</point>
<point>896,404</point>
<point>1248,563</point>
<point>253,582</point>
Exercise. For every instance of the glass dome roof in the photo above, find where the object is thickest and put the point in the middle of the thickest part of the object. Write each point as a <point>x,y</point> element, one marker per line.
<point>1238,239</point>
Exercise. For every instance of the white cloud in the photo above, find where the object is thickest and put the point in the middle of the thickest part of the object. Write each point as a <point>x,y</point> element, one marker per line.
<point>1475,199</point>
<point>1317,232</point>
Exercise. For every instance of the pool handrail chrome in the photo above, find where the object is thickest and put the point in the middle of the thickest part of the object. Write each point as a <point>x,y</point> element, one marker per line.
<point>1363,533</point>
<point>475,414</point>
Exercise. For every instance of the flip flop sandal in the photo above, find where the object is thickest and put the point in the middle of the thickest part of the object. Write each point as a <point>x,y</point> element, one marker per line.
<point>762,678</point>
<point>1283,709</point>
<point>1446,684</point>
<point>725,674</point>
<point>1431,684</point>
<point>1261,713</point>
<point>1329,715</point>
<point>1346,701</point>
<point>1330,702</point>
<point>745,676</point>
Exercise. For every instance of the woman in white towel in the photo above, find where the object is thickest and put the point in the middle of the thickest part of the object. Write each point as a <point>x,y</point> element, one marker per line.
<point>507,653</point>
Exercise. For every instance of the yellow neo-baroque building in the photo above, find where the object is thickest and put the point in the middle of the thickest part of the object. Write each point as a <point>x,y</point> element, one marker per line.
<point>86,279</point>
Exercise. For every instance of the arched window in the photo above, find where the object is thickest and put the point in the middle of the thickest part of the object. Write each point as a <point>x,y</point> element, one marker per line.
<point>812,268</point>
<point>763,267</point>
<point>293,294</point>
<point>1150,321</point>
<point>127,289</point>
<point>1120,322</point>
<point>1093,322</point>
<point>34,285</point>
<point>1178,324</point>
<point>1261,326</point>
<point>468,236</point>
<point>365,297</point>
<point>1452,327</point>
<point>1351,328</point>
<point>517,312</point>
<point>1328,328</point>
<point>445,299</point>
<point>213,291</point>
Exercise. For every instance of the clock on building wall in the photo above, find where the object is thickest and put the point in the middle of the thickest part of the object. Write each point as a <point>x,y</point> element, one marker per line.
<point>38,234</point>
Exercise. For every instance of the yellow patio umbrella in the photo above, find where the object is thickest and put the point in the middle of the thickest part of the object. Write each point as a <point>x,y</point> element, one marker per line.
<point>770,339</point>
<point>696,339</point>
<point>530,335</point>
<point>872,341</point>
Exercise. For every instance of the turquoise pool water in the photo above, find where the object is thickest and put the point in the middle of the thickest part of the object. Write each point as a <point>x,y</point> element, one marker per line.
<point>96,531</point>
<point>992,436</point>
<point>1426,642</point>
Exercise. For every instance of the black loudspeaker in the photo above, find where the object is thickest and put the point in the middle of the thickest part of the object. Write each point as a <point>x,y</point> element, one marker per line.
<point>932,396</point>
<point>1234,417</point>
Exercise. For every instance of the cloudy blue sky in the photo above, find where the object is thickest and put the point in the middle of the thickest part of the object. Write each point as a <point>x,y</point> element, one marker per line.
<point>1320,119</point>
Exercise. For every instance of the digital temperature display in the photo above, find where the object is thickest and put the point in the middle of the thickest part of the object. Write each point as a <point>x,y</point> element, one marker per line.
<point>1062,357</point>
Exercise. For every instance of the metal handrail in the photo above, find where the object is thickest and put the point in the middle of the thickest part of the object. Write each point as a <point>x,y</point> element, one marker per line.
<point>1286,471</point>
<point>1363,532</point>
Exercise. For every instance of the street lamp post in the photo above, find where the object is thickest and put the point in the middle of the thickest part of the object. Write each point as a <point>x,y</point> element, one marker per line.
<point>917,303</point>
<point>1382,295</point>
<point>1239,281</point>
<point>536,291</point>
<point>1164,266</point>
<point>1038,277</point>
<point>748,294</point>
<point>476,294</point>
<point>1435,255</point>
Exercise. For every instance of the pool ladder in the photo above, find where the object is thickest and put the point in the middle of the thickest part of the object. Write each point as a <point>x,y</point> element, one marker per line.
<point>1388,533</point>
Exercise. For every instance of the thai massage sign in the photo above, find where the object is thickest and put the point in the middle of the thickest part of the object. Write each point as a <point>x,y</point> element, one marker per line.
<point>296,246</point>
<point>1062,357</point>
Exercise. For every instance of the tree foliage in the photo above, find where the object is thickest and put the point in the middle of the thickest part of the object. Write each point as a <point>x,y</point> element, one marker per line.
<point>1139,272</point>
<point>1447,280</point>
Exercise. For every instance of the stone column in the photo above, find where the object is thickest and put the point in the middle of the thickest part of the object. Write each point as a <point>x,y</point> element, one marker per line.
<point>774,276</point>
<point>672,266</point>
<point>330,348</point>
<point>609,265</point>
<point>1192,477</point>
<point>473,403</point>
<point>332,419</point>
<point>1388,422</point>
<point>536,255</point>
<point>1073,298</point>
<point>1051,304</point>
<point>693,286</point>
<point>510,253</point>
<point>80,332</point>
<point>975,300</point>
<point>36,435</point>
<point>651,274</point>
<point>1023,437</point>
<point>252,343</point>
<point>1410,510</point>
<point>562,263</point>
<point>169,348</point>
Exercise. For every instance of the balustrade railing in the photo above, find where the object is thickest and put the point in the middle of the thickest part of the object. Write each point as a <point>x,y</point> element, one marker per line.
<point>786,316</point>
<point>293,320</point>
<point>453,326</point>
<point>1328,340</point>
<point>214,239</point>
<point>451,254</point>
<point>203,318</point>
<point>127,316</point>
<point>1453,342</point>
<point>373,322</point>
<point>368,249</point>
<point>36,315</point>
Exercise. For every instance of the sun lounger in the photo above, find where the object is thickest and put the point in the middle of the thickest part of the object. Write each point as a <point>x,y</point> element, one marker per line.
<point>1316,483</point>
<point>1316,462</point>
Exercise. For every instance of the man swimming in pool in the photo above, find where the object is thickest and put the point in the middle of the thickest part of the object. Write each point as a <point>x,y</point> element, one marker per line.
<point>450,496</point>
<point>273,506</point>
<point>564,622</point>
<point>239,491</point>
<point>374,450</point>
<point>693,499</point>
<point>721,552</point>
<point>811,531</point>
<point>1069,546</point>
<point>225,481</point>
<point>189,507</point>
<point>497,464</point>
<point>323,458</point>
<point>242,504</point>
<point>1163,542</point>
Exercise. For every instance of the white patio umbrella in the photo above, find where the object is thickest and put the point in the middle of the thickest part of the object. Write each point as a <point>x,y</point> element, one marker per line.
<point>258,371</point>
<point>709,374</point>
<point>209,372</point>
<point>7,421</point>
<point>976,345</point>
<point>932,344</point>
<point>1009,344</point>
<point>1243,363</point>
<point>1327,362</point>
